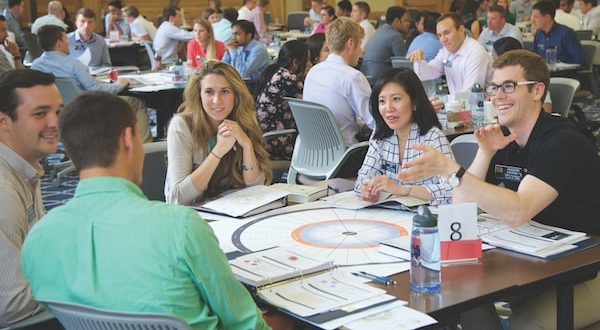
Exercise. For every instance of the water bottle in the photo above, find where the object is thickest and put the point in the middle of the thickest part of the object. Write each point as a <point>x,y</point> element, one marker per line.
<point>425,267</point>
<point>178,74</point>
<point>476,100</point>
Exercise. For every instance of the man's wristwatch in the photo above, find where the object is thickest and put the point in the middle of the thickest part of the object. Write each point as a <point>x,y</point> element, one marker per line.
<point>454,179</point>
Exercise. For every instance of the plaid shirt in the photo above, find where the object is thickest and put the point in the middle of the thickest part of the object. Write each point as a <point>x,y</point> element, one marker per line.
<point>383,158</point>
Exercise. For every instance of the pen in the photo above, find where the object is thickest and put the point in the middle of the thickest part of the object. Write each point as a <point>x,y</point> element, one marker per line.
<point>379,279</point>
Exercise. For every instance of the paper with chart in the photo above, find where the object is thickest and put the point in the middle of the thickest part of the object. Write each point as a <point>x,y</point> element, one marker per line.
<point>532,238</point>
<point>395,318</point>
<point>322,293</point>
<point>274,265</point>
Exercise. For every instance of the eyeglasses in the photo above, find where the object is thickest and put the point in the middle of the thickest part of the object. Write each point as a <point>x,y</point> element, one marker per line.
<point>507,87</point>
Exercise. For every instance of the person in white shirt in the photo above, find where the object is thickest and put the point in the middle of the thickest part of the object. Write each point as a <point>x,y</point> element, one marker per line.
<point>9,51</point>
<point>360,14</point>
<point>314,14</point>
<point>55,16</point>
<point>462,59</point>
<point>335,83</point>
<point>169,34</point>
<point>497,28</point>
<point>245,10</point>
<point>141,29</point>
<point>567,19</point>
<point>590,15</point>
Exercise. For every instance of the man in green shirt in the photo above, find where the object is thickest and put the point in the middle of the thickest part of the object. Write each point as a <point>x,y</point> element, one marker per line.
<point>110,247</point>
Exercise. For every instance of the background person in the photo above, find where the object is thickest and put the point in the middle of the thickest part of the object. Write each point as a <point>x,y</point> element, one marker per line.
<point>283,79</point>
<point>319,50</point>
<point>204,44</point>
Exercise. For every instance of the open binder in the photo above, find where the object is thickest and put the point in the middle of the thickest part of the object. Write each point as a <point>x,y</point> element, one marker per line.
<point>309,288</point>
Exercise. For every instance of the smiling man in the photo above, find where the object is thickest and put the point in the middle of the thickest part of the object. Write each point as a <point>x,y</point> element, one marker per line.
<point>549,172</point>
<point>29,107</point>
<point>462,59</point>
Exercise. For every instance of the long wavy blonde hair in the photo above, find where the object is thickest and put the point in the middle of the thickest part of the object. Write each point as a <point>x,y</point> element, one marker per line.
<point>211,48</point>
<point>229,173</point>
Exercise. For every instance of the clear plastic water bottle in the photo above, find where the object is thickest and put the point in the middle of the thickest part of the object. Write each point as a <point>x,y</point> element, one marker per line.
<point>476,100</point>
<point>178,74</point>
<point>425,267</point>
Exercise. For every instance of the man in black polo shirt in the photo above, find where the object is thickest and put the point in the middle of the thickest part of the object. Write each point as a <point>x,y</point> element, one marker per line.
<point>550,173</point>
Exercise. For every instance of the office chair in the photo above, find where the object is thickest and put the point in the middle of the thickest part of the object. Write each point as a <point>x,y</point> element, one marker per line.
<point>320,152</point>
<point>295,20</point>
<point>150,52</point>
<point>590,49</point>
<point>562,91</point>
<point>464,147</point>
<point>35,320</point>
<point>34,50</point>
<point>584,34</point>
<point>69,91</point>
<point>155,170</point>
<point>279,167</point>
<point>81,317</point>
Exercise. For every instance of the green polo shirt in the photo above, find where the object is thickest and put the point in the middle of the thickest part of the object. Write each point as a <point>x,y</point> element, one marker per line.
<point>111,248</point>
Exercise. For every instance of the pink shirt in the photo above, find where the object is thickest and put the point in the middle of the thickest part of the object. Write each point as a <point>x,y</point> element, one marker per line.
<point>194,49</point>
<point>320,28</point>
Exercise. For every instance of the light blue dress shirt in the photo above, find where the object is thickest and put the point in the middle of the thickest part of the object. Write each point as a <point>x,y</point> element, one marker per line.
<point>61,65</point>
<point>249,61</point>
<point>97,45</point>
<point>428,42</point>
<point>488,37</point>
<point>121,22</point>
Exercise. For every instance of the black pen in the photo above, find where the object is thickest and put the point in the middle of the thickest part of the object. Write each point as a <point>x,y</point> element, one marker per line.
<point>379,279</point>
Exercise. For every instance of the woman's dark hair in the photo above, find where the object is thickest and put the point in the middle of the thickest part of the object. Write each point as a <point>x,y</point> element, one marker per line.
<point>330,11</point>
<point>424,114</point>
<point>293,50</point>
<point>506,44</point>
<point>314,44</point>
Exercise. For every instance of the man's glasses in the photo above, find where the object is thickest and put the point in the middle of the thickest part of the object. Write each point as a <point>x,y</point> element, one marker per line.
<point>507,87</point>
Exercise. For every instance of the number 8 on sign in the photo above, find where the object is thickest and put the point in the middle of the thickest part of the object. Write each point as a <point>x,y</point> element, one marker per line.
<point>456,235</point>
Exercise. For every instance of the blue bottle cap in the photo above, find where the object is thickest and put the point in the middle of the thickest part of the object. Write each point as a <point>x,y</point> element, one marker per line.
<point>424,217</point>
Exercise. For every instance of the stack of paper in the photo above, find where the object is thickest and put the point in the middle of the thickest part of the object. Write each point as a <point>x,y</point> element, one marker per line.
<point>301,193</point>
<point>532,238</point>
<point>246,202</point>
<point>350,200</point>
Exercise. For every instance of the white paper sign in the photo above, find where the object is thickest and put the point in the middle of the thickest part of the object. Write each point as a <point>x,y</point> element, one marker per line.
<point>457,222</point>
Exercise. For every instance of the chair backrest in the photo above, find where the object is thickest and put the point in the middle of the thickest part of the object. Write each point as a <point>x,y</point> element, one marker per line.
<point>81,317</point>
<point>464,147</point>
<point>402,63</point>
<point>584,34</point>
<point>68,89</point>
<point>155,170</point>
<point>319,143</point>
<point>295,20</point>
<point>33,46</point>
<point>589,51</point>
<point>562,90</point>
<point>150,52</point>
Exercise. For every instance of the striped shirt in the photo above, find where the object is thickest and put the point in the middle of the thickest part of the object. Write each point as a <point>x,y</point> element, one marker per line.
<point>20,207</point>
<point>383,158</point>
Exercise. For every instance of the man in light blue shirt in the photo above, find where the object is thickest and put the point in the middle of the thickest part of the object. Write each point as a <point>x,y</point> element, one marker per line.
<point>497,28</point>
<point>387,41</point>
<point>169,34</point>
<point>426,40</point>
<point>12,13</point>
<point>85,40</point>
<point>114,21</point>
<point>248,56</point>
<point>55,60</point>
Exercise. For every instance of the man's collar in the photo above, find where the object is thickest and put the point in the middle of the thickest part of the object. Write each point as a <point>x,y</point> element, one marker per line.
<point>24,169</point>
<point>80,39</point>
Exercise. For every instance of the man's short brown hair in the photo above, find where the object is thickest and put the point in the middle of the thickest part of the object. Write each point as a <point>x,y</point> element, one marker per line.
<point>86,12</point>
<point>340,31</point>
<point>533,65</point>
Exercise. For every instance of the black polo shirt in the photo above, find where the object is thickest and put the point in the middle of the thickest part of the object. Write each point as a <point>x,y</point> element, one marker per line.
<point>559,155</point>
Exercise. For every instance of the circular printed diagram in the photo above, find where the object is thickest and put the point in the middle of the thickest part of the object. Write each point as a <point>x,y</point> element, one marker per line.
<point>349,237</point>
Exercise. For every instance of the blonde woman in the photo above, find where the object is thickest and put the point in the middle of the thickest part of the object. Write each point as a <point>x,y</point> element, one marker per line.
<point>214,143</point>
<point>204,46</point>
